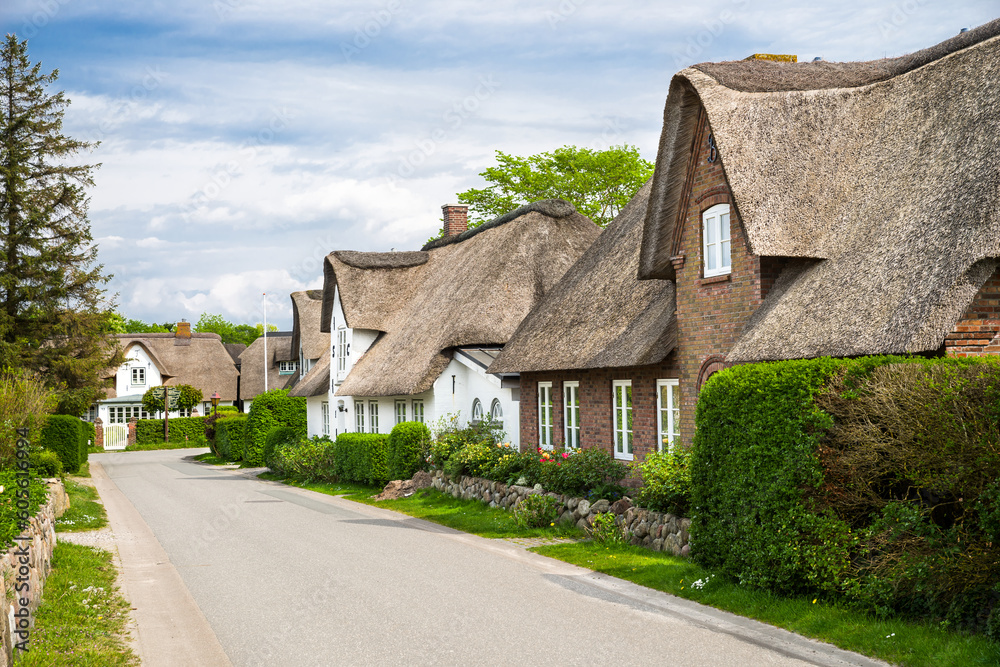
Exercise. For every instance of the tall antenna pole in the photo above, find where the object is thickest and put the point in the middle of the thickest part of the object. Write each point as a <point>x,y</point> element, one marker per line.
<point>265,341</point>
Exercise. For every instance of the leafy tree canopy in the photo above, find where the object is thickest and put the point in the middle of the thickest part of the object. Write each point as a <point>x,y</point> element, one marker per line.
<point>598,183</point>
<point>189,397</point>
<point>231,333</point>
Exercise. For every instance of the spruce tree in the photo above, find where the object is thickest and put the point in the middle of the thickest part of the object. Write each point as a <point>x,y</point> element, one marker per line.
<point>52,305</point>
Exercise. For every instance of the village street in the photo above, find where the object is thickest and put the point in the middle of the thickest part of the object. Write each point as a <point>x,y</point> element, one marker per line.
<point>289,577</point>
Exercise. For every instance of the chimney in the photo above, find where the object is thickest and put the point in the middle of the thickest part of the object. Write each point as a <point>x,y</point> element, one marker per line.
<point>182,333</point>
<point>456,218</point>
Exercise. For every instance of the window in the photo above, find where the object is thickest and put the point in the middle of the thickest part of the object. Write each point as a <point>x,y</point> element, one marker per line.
<point>496,412</point>
<point>623,418</point>
<point>715,240</point>
<point>571,414</point>
<point>359,416</point>
<point>373,416</point>
<point>668,410</point>
<point>326,417</point>
<point>418,411</point>
<point>341,350</point>
<point>138,376</point>
<point>287,367</point>
<point>183,412</point>
<point>477,411</point>
<point>122,414</point>
<point>545,415</point>
<point>400,411</point>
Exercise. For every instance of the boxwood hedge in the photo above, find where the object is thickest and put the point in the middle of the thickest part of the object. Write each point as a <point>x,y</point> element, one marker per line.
<point>269,410</point>
<point>62,436</point>
<point>408,446</point>
<point>362,457</point>
<point>229,437</point>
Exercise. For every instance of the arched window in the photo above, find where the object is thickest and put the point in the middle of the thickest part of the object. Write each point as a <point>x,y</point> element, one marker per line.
<point>496,412</point>
<point>477,411</point>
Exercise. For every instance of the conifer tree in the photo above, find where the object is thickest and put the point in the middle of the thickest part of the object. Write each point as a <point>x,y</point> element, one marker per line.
<point>52,304</point>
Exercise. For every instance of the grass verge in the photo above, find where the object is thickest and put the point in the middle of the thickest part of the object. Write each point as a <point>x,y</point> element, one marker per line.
<point>177,444</point>
<point>82,618</point>
<point>85,509</point>
<point>211,459</point>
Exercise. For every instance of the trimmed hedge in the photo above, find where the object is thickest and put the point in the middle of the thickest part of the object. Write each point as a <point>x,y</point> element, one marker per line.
<point>362,457</point>
<point>229,437</point>
<point>280,436</point>
<point>62,436</point>
<point>88,439</point>
<point>269,410</point>
<point>150,431</point>
<point>872,480</point>
<point>408,446</point>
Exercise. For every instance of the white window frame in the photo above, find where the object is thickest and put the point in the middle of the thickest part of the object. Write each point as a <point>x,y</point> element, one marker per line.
<point>621,418</point>
<point>287,367</point>
<point>325,411</point>
<point>496,412</point>
<point>668,422</point>
<point>571,414</point>
<point>342,351</point>
<point>373,416</point>
<point>138,375</point>
<point>359,416</point>
<point>477,411</point>
<point>716,219</point>
<point>545,407</point>
<point>418,410</point>
<point>400,410</point>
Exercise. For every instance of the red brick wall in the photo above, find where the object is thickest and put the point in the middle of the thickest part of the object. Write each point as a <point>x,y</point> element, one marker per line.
<point>978,330</point>
<point>596,428</point>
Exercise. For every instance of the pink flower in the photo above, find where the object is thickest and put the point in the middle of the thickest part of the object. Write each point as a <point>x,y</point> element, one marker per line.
<point>565,455</point>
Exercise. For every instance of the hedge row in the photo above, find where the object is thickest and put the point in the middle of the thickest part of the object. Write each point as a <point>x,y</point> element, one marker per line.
<point>874,480</point>
<point>150,431</point>
<point>229,437</point>
<point>362,457</point>
<point>64,435</point>
<point>269,410</point>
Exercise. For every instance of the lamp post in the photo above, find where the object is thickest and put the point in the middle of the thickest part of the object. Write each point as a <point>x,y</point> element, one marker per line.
<point>215,404</point>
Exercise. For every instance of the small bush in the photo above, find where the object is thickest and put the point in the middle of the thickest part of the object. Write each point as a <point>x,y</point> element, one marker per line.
<point>666,481</point>
<point>46,463</point>
<point>229,437</point>
<point>605,529</point>
<point>62,436</point>
<point>362,457</point>
<point>591,473</point>
<point>268,410</point>
<point>279,437</point>
<point>88,439</point>
<point>408,448</point>
<point>24,403</point>
<point>536,511</point>
<point>310,460</point>
<point>11,492</point>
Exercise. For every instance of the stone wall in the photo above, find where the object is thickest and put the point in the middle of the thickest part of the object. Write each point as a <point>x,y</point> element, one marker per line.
<point>18,569</point>
<point>652,530</point>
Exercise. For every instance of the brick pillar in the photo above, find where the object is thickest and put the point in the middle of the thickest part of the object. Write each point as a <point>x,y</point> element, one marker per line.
<point>131,431</point>
<point>99,433</point>
<point>456,218</point>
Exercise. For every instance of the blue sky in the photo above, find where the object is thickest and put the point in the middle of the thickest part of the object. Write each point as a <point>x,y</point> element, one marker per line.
<point>242,140</point>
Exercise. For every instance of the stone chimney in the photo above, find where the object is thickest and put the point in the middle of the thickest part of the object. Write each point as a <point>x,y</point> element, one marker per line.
<point>456,218</point>
<point>182,333</point>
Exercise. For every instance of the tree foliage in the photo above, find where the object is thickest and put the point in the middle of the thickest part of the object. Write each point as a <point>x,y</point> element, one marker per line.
<point>152,401</point>
<point>231,333</point>
<point>598,183</point>
<point>53,311</point>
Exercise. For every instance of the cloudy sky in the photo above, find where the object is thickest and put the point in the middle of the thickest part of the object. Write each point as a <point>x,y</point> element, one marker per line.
<point>242,140</point>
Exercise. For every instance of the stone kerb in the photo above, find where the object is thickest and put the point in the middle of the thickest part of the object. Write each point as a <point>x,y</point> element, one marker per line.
<point>41,542</point>
<point>645,528</point>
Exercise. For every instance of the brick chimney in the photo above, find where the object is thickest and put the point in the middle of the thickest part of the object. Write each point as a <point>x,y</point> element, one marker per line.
<point>182,333</point>
<point>456,218</point>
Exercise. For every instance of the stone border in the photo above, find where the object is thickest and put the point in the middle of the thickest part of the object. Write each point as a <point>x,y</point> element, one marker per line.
<point>43,541</point>
<point>645,528</point>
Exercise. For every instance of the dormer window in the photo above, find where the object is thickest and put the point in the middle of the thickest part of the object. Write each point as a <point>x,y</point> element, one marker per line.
<point>286,367</point>
<point>715,241</point>
<point>138,376</point>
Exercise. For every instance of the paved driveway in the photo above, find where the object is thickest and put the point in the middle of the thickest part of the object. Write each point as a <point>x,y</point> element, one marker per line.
<point>288,577</point>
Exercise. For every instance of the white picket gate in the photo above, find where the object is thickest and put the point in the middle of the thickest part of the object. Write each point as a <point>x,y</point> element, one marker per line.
<point>115,437</point>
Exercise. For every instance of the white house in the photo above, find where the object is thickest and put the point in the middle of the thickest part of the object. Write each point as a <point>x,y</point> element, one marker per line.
<point>312,347</point>
<point>412,333</point>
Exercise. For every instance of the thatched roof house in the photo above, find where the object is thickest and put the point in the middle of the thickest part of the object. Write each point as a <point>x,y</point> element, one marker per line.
<point>312,344</point>
<point>473,288</point>
<point>253,364</point>
<point>876,182</point>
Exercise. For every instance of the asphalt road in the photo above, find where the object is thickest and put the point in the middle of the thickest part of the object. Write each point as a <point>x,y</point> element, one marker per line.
<point>289,577</point>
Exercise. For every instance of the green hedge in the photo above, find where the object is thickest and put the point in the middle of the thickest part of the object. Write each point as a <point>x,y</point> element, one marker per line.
<point>62,436</point>
<point>88,439</point>
<point>150,431</point>
<point>362,457</point>
<point>873,480</point>
<point>269,410</point>
<point>408,446</point>
<point>280,436</point>
<point>229,437</point>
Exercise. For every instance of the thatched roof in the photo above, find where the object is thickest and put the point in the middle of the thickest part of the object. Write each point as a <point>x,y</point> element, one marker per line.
<point>600,315</point>
<point>252,363</point>
<point>201,361</point>
<point>316,381</point>
<point>473,291</point>
<point>235,350</point>
<point>307,308</point>
<point>880,176</point>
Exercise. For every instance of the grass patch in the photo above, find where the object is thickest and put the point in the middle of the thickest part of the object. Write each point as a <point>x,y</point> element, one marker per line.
<point>896,641</point>
<point>82,618</point>
<point>84,470</point>
<point>85,509</point>
<point>211,459</point>
<point>177,444</point>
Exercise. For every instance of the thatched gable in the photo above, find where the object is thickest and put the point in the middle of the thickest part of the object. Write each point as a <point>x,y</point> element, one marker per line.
<point>201,361</point>
<point>253,364</point>
<point>307,309</point>
<point>315,382</point>
<point>880,176</point>
<point>599,315</point>
<point>473,291</point>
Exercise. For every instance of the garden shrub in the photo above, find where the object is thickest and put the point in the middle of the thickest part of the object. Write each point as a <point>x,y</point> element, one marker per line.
<point>229,436</point>
<point>362,457</point>
<point>25,402</point>
<point>666,481</point>
<point>46,463</point>
<point>10,513</point>
<point>592,473</point>
<point>182,429</point>
<point>88,439</point>
<point>268,410</point>
<point>279,437</point>
<point>873,480</point>
<point>310,460</point>
<point>605,529</point>
<point>408,448</point>
<point>61,435</point>
<point>536,511</point>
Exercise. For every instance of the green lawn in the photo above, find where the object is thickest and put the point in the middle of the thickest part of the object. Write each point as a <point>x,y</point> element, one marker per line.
<point>85,510</point>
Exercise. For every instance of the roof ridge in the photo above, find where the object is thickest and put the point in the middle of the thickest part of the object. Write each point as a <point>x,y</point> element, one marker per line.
<point>554,208</point>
